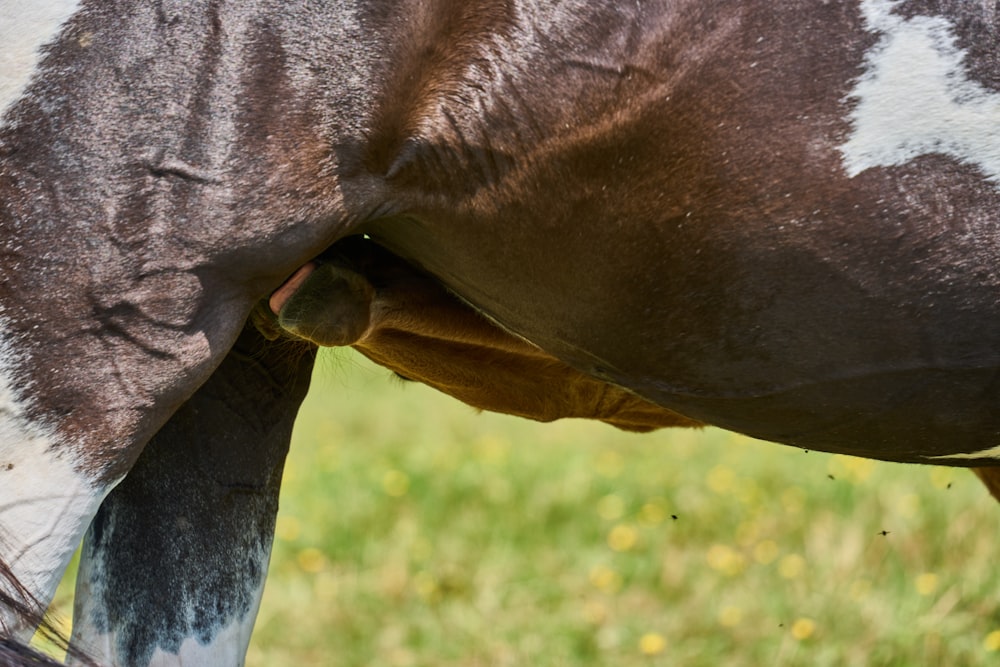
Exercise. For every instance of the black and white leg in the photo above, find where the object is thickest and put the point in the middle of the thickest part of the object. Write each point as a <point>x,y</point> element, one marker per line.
<point>174,563</point>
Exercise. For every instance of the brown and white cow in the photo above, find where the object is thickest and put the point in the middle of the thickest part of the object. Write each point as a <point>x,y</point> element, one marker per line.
<point>774,216</point>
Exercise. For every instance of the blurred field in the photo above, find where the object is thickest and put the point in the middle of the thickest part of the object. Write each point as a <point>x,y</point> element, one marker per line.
<point>414,532</point>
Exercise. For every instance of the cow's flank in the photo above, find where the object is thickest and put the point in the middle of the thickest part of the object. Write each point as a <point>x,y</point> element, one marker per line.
<point>778,217</point>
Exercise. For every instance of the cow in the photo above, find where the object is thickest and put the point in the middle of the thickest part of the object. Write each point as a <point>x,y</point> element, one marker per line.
<point>774,216</point>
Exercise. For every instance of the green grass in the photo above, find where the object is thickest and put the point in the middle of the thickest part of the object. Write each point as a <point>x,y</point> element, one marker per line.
<point>415,532</point>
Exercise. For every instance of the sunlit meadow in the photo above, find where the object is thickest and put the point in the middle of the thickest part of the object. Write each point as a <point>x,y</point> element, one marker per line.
<point>414,531</point>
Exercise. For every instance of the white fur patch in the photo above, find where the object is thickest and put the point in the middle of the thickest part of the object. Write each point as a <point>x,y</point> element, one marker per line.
<point>25,27</point>
<point>45,504</point>
<point>916,98</point>
<point>227,649</point>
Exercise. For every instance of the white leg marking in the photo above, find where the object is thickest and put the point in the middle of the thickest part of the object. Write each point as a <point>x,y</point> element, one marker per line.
<point>991,453</point>
<point>916,98</point>
<point>227,649</point>
<point>45,504</point>
<point>26,26</point>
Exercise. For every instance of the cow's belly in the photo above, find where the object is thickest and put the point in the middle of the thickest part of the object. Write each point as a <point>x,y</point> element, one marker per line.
<point>864,379</point>
<point>840,356</point>
<point>921,415</point>
<point>796,238</point>
<point>908,391</point>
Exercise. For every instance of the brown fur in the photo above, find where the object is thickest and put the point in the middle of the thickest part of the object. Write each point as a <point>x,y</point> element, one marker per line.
<point>367,298</point>
<point>653,193</point>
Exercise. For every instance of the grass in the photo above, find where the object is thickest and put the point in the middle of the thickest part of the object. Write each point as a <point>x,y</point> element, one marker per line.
<point>416,532</point>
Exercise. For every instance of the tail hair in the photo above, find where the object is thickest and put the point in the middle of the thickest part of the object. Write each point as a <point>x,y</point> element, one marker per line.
<point>14,653</point>
<point>24,606</point>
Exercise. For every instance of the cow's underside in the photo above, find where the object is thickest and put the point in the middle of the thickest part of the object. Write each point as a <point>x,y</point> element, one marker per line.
<point>359,295</point>
<point>778,217</point>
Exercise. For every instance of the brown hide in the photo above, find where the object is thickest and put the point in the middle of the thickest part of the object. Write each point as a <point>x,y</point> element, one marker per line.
<point>397,317</point>
<point>411,325</point>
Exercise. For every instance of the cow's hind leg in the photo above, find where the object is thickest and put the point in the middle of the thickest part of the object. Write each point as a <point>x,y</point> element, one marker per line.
<point>173,565</point>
